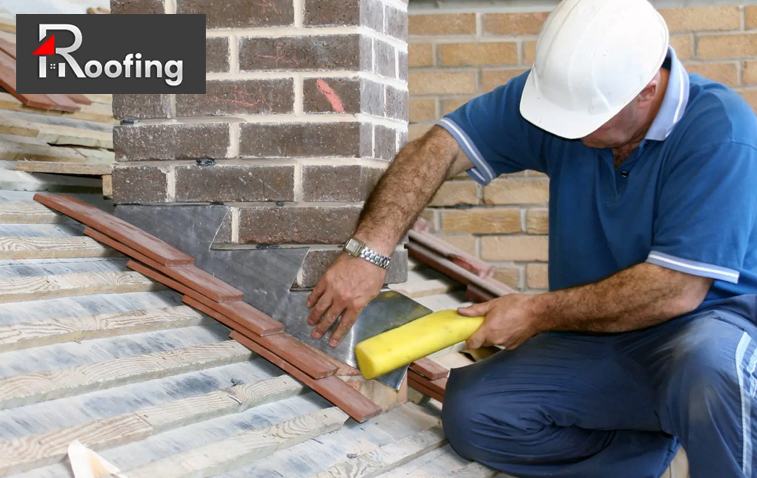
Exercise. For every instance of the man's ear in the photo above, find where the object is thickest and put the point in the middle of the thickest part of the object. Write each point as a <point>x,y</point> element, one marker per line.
<point>648,93</point>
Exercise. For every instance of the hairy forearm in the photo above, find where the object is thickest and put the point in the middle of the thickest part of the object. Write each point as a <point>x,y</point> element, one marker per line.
<point>405,188</point>
<point>640,296</point>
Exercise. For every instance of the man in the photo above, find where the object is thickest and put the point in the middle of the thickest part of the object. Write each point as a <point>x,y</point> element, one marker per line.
<point>647,339</point>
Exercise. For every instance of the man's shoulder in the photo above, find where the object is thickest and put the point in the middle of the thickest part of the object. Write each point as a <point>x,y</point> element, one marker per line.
<point>716,113</point>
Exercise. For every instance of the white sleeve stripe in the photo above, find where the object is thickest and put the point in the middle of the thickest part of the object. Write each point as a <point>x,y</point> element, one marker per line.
<point>478,174</point>
<point>469,147</point>
<point>729,273</point>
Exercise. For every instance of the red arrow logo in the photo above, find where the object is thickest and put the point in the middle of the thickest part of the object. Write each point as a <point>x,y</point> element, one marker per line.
<point>47,48</point>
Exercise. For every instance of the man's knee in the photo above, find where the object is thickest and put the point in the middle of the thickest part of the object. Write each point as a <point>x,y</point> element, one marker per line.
<point>705,368</point>
<point>474,418</point>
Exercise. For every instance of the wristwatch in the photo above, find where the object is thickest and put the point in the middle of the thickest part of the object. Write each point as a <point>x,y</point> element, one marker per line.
<point>357,248</point>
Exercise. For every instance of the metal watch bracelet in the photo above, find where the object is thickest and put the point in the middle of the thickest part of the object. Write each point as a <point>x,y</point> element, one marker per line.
<point>374,257</point>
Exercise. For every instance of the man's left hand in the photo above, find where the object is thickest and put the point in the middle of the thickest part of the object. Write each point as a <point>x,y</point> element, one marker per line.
<point>509,321</point>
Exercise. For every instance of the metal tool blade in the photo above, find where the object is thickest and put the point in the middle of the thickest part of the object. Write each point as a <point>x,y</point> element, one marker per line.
<point>265,276</point>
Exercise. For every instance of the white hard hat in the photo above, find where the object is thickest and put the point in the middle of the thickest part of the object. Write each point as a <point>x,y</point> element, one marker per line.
<point>593,57</point>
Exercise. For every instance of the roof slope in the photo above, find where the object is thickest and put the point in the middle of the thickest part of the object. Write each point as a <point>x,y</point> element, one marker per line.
<point>90,350</point>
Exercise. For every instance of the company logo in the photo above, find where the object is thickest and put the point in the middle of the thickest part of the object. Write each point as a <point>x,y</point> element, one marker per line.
<point>94,68</point>
<point>111,54</point>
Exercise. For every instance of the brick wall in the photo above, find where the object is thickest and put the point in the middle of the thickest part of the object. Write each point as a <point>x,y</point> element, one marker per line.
<point>306,104</point>
<point>456,56</point>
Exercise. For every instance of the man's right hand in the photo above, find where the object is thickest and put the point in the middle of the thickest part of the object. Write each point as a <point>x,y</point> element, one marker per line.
<point>345,289</point>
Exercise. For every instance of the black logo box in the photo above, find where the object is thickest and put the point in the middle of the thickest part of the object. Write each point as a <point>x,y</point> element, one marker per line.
<point>113,37</point>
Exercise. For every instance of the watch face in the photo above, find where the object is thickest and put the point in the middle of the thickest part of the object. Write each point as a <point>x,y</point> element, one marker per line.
<point>353,247</point>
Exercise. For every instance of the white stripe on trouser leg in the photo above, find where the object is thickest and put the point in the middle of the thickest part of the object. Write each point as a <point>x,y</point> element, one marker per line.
<point>746,407</point>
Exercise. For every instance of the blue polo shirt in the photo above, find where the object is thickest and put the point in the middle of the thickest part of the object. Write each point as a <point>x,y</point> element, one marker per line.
<point>686,198</point>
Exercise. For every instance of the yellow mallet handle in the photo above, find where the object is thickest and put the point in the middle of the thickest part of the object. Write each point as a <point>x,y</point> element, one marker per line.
<point>398,347</point>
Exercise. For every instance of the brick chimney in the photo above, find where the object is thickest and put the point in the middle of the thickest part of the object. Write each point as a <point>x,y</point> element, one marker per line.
<point>306,104</point>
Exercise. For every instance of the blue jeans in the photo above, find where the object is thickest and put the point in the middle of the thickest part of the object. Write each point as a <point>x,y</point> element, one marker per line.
<point>613,406</point>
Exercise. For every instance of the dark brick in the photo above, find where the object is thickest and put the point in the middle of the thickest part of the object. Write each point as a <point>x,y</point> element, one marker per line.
<point>300,140</point>
<point>385,142</point>
<point>216,55</point>
<point>402,65</point>
<point>240,13</point>
<point>372,14</point>
<point>235,183</point>
<point>372,98</point>
<point>327,52</point>
<point>403,139</point>
<point>366,54</point>
<point>397,103</point>
<point>319,99</point>
<point>346,183</point>
<point>141,106</point>
<point>318,260</point>
<point>137,6</point>
<point>139,185</point>
<point>297,224</point>
<point>324,13</point>
<point>228,97</point>
<point>395,23</point>
<point>385,64</point>
<point>327,13</point>
<point>170,141</point>
<point>366,140</point>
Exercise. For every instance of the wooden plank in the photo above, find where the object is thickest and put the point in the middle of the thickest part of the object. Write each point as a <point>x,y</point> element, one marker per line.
<point>472,470</point>
<point>8,47</point>
<point>17,126</point>
<point>7,25</point>
<point>471,263</point>
<point>8,82</point>
<point>251,322</point>
<point>108,185</point>
<point>43,449</point>
<point>100,98</point>
<point>425,390</point>
<point>429,369</point>
<point>333,389</point>
<point>85,169</point>
<point>98,155</point>
<point>42,386</point>
<point>19,289</point>
<point>29,213</point>
<point>425,288</point>
<point>180,413</point>
<point>76,133</point>
<point>133,237</point>
<point>474,293</point>
<point>64,103</point>
<point>438,386</point>
<point>14,248</point>
<point>95,112</point>
<point>46,448</point>
<point>189,275</point>
<point>244,314</point>
<point>39,118</point>
<point>450,269</point>
<point>65,135</point>
<point>204,283</point>
<point>343,370</point>
<point>387,457</point>
<point>283,345</point>
<point>243,448</point>
<point>79,99</point>
<point>36,151</point>
<point>75,329</point>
